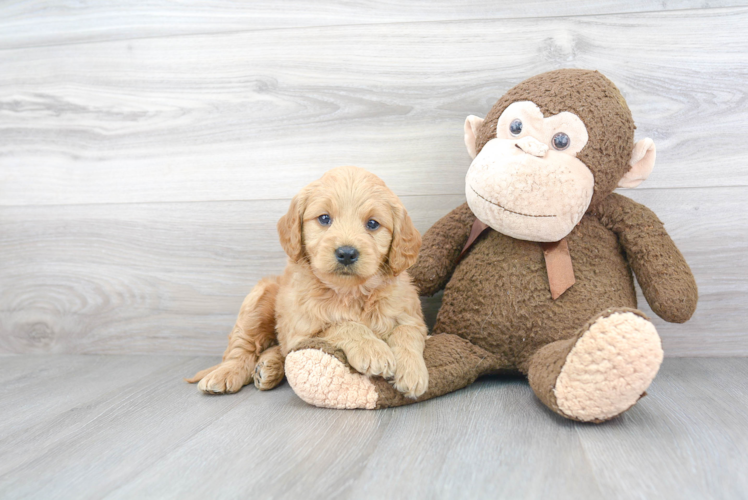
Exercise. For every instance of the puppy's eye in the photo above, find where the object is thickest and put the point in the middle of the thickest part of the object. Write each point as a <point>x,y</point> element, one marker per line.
<point>324,219</point>
<point>561,141</point>
<point>372,224</point>
<point>515,128</point>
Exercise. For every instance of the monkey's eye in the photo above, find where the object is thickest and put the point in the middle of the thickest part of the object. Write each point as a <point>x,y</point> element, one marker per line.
<point>324,219</point>
<point>372,224</point>
<point>561,141</point>
<point>515,128</point>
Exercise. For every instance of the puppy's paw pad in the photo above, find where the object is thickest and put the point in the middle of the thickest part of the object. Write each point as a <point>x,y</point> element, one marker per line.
<point>223,380</point>
<point>609,368</point>
<point>372,358</point>
<point>268,374</point>
<point>411,377</point>
<point>323,380</point>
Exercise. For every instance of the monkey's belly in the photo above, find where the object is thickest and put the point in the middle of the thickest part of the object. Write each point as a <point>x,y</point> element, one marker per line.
<point>500,300</point>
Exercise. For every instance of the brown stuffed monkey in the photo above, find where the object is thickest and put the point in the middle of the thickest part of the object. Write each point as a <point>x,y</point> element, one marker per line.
<point>537,266</point>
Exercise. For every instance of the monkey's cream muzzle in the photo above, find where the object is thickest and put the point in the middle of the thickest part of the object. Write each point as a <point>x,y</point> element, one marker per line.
<point>526,190</point>
<point>526,183</point>
<point>532,146</point>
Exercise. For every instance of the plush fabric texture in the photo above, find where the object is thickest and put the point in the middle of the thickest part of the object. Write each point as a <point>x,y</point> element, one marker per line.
<point>321,376</point>
<point>512,190</point>
<point>642,163</point>
<point>499,296</point>
<point>591,365</point>
<point>436,263</point>
<point>545,367</point>
<point>594,99</point>
<point>589,355</point>
<point>662,271</point>
<point>609,367</point>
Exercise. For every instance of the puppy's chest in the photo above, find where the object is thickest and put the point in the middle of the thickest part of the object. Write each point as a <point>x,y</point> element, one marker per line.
<point>362,309</point>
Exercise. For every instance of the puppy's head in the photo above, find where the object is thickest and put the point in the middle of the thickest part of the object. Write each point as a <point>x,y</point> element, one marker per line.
<point>349,227</point>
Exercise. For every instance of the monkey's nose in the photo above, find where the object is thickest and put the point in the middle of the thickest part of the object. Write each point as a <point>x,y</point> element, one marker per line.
<point>346,255</point>
<point>532,146</point>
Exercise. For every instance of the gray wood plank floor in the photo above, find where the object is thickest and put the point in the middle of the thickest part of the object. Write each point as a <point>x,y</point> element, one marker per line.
<point>77,426</point>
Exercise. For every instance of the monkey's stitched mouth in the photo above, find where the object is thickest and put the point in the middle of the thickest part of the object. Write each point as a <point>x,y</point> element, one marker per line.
<point>505,209</point>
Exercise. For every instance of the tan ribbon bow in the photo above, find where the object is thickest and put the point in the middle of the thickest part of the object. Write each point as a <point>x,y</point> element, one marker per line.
<point>558,265</point>
<point>557,260</point>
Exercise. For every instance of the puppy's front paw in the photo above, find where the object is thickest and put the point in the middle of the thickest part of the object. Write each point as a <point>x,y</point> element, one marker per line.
<point>268,373</point>
<point>227,378</point>
<point>372,357</point>
<point>411,375</point>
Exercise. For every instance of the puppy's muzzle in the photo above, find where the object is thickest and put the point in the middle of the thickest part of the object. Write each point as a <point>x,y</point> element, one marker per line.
<point>346,255</point>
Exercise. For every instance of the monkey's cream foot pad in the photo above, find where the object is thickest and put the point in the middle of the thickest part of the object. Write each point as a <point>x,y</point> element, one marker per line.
<point>321,379</point>
<point>609,368</point>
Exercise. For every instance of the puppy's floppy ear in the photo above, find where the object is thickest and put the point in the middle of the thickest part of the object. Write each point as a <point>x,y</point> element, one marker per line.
<point>289,228</point>
<point>406,241</point>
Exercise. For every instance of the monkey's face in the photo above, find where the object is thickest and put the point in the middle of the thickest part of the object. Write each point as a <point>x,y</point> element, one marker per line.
<point>527,182</point>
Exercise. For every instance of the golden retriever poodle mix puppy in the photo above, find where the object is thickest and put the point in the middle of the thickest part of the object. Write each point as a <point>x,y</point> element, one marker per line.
<point>349,242</point>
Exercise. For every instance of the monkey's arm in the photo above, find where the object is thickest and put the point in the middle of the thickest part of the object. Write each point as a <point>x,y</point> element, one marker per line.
<point>662,272</point>
<point>441,247</point>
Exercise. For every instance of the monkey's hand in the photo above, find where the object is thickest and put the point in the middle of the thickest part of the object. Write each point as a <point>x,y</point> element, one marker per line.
<point>441,247</point>
<point>665,278</point>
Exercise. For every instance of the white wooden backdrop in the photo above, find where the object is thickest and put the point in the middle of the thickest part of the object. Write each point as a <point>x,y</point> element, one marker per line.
<point>147,149</point>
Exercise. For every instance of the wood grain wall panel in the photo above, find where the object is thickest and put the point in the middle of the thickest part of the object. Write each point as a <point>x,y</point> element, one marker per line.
<point>147,149</point>
<point>237,116</point>
<point>43,22</point>
<point>169,277</point>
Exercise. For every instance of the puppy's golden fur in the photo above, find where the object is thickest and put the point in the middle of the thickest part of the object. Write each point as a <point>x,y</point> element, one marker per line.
<point>369,308</point>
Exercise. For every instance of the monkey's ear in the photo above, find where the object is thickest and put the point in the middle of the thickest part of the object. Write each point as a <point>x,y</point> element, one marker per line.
<point>642,162</point>
<point>289,228</point>
<point>472,124</point>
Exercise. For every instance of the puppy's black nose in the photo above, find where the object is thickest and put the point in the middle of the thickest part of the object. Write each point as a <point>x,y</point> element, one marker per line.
<point>346,255</point>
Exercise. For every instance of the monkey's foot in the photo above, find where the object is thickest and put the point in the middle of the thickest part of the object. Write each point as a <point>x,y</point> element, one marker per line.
<point>322,377</point>
<point>609,367</point>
